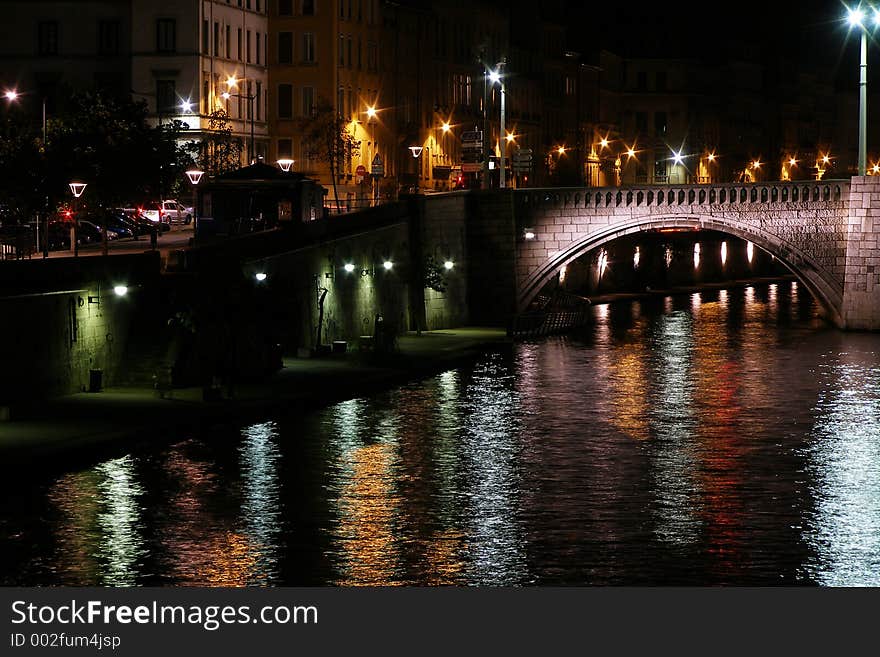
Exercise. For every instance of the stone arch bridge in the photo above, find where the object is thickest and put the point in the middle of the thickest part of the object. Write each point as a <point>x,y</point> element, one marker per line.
<point>824,232</point>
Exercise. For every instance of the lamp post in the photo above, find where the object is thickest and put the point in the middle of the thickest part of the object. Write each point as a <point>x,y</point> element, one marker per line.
<point>11,96</point>
<point>77,189</point>
<point>226,95</point>
<point>416,152</point>
<point>856,18</point>
<point>194,176</point>
<point>371,130</point>
<point>496,76</point>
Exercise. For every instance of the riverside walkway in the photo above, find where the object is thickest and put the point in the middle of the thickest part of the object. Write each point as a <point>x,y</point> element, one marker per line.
<point>87,423</point>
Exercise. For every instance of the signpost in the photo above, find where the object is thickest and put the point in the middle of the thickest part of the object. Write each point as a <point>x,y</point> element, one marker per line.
<point>377,168</point>
<point>471,151</point>
<point>522,160</point>
<point>360,172</point>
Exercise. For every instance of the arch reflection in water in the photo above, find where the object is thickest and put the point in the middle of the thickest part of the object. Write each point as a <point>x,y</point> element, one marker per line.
<point>844,460</point>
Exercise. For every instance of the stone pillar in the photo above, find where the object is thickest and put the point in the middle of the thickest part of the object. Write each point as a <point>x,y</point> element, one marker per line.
<point>861,284</point>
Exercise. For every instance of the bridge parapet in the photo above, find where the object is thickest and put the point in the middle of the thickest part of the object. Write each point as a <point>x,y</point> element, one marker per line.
<point>733,194</point>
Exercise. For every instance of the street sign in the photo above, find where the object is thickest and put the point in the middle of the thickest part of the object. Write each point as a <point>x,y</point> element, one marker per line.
<point>522,160</point>
<point>377,168</point>
<point>471,167</point>
<point>361,170</point>
<point>472,136</point>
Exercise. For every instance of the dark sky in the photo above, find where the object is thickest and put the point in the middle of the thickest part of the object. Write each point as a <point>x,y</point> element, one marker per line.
<point>811,32</point>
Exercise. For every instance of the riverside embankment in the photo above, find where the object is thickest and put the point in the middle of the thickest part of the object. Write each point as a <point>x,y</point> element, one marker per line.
<point>79,426</point>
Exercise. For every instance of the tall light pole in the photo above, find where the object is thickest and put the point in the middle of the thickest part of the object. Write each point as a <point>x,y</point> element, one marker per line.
<point>226,95</point>
<point>856,18</point>
<point>496,76</point>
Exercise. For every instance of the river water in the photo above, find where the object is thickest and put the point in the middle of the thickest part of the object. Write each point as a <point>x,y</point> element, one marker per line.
<point>725,437</point>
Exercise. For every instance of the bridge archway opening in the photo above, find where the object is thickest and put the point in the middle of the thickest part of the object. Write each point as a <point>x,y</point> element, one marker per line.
<point>768,256</point>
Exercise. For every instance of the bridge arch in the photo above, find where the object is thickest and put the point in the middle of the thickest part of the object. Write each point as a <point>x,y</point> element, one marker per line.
<point>827,291</point>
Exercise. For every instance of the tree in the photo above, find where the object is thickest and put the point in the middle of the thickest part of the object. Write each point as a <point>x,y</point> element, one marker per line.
<point>105,141</point>
<point>218,151</point>
<point>327,138</point>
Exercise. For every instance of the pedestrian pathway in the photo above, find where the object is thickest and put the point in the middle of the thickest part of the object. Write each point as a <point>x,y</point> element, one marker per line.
<point>90,420</point>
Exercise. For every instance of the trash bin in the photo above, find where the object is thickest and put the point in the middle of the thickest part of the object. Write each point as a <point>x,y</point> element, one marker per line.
<point>95,380</point>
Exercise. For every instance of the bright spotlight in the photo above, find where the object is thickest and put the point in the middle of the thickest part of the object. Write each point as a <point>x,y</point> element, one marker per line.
<point>448,264</point>
<point>855,16</point>
<point>260,276</point>
<point>120,290</point>
<point>349,267</point>
<point>388,265</point>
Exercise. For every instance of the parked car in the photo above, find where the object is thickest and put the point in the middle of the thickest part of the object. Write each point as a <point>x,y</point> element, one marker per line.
<point>154,212</point>
<point>177,212</point>
<point>116,225</point>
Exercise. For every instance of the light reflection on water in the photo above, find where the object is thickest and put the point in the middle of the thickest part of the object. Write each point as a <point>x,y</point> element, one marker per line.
<point>721,438</point>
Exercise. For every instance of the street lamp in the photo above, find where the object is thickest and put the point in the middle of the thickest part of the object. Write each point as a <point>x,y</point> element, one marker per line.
<point>285,164</point>
<point>12,96</point>
<point>497,77</point>
<point>77,188</point>
<point>416,152</point>
<point>195,176</point>
<point>226,95</point>
<point>856,18</point>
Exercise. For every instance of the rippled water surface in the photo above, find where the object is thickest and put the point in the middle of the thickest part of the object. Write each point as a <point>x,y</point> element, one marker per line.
<point>728,437</point>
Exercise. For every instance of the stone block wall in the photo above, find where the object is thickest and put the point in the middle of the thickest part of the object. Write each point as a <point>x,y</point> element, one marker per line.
<point>861,297</point>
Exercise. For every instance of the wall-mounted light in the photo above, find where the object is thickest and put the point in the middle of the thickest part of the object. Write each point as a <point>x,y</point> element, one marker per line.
<point>120,290</point>
<point>349,267</point>
<point>529,234</point>
<point>448,265</point>
<point>388,265</point>
<point>260,276</point>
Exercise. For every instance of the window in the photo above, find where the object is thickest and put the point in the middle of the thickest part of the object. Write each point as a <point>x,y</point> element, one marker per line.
<point>308,53</point>
<point>239,42</point>
<point>108,37</point>
<point>228,42</point>
<point>285,7</point>
<point>308,101</point>
<point>372,56</point>
<point>166,35</point>
<point>342,9</point>
<point>259,47</point>
<point>216,39</point>
<point>341,57</point>
<point>205,95</point>
<point>360,53</point>
<point>47,38</point>
<point>205,37</point>
<point>660,123</point>
<point>166,98</point>
<point>250,105</point>
<point>285,101</point>
<point>340,101</point>
<point>285,149</point>
<point>360,10</point>
<point>247,47</point>
<point>285,47</point>
<point>661,80</point>
<point>259,101</point>
<point>308,7</point>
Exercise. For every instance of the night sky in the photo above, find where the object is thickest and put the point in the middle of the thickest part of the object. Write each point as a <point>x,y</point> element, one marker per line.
<point>811,33</point>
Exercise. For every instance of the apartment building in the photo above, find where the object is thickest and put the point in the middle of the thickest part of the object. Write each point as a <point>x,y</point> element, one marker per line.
<point>327,51</point>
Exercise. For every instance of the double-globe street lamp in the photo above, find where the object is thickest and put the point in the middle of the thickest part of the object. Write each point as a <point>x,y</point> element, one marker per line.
<point>857,19</point>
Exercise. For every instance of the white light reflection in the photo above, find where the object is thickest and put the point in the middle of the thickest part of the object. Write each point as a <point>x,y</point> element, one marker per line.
<point>602,262</point>
<point>637,256</point>
<point>122,547</point>
<point>697,255</point>
<point>673,422</point>
<point>723,253</point>
<point>261,506</point>
<point>563,271</point>
<point>844,459</point>
<point>668,256</point>
<point>495,549</point>
<point>750,251</point>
